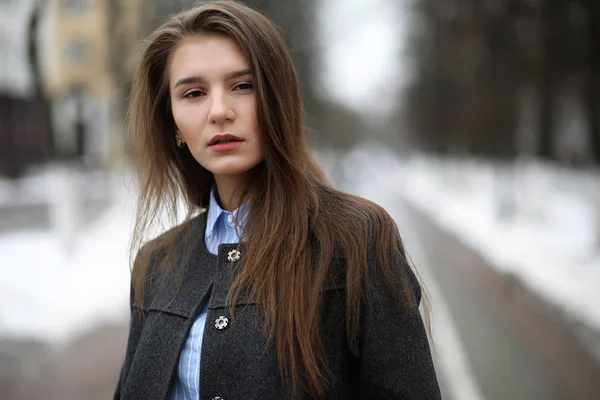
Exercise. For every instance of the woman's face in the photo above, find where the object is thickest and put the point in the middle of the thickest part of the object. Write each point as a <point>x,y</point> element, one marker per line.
<point>213,102</point>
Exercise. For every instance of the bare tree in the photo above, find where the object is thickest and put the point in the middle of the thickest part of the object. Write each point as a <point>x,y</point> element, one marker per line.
<point>592,8</point>
<point>549,76</point>
<point>40,102</point>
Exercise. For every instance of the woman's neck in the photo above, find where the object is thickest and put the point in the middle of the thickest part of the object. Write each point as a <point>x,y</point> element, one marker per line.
<point>230,190</point>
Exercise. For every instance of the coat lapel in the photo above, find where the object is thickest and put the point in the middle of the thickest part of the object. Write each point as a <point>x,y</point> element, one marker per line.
<point>179,294</point>
<point>188,279</point>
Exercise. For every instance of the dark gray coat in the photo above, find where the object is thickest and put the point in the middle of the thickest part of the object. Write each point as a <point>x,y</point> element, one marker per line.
<point>237,363</point>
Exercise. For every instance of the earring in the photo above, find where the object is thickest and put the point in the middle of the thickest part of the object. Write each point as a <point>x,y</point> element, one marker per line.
<point>180,141</point>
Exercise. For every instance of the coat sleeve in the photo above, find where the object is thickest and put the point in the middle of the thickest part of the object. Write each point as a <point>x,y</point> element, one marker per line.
<point>135,328</point>
<point>395,360</point>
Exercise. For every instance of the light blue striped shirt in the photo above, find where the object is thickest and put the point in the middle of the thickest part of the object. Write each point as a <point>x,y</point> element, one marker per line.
<point>220,228</point>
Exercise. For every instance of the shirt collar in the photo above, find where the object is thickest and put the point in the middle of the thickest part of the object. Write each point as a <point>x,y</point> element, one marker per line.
<point>215,211</point>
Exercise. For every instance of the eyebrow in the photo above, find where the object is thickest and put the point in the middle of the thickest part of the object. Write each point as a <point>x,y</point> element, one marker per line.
<point>199,79</point>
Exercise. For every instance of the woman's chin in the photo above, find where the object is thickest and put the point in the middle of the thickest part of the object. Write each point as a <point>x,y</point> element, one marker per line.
<point>230,170</point>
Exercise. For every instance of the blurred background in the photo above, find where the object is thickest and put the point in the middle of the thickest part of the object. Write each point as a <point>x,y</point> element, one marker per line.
<point>475,123</point>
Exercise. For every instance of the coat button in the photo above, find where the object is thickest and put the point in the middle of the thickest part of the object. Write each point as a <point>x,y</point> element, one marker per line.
<point>221,323</point>
<point>217,398</point>
<point>234,255</point>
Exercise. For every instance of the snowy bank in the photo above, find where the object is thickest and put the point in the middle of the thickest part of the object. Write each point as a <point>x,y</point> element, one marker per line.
<point>49,293</point>
<point>538,222</point>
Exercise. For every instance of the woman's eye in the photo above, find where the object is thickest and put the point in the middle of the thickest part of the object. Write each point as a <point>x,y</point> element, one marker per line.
<point>244,86</point>
<point>193,93</point>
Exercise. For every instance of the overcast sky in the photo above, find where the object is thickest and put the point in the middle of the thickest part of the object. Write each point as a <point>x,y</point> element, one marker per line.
<point>14,68</point>
<point>363,41</point>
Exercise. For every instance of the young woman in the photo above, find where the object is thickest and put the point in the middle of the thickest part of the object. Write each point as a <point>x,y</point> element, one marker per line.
<point>277,286</point>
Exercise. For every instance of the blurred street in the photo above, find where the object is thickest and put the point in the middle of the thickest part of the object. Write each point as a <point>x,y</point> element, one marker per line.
<point>516,345</point>
<point>475,124</point>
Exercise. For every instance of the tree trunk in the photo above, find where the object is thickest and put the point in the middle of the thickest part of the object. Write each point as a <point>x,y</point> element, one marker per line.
<point>593,84</point>
<point>41,104</point>
<point>548,83</point>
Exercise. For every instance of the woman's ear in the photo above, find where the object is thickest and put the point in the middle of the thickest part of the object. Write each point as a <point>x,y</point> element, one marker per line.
<point>179,139</point>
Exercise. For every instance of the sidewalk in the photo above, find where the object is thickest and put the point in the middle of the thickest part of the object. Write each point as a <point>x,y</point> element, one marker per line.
<point>86,368</point>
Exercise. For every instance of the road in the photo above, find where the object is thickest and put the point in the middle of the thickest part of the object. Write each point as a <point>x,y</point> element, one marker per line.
<point>517,347</point>
<point>86,368</point>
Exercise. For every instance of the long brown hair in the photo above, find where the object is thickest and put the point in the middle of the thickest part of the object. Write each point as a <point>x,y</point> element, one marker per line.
<point>291,202</point>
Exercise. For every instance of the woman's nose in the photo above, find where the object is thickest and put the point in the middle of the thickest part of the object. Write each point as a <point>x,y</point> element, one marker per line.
<point>220,109</point>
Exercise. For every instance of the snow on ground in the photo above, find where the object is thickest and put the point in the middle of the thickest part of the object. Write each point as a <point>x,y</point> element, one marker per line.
<point>550,238</point>
<point>57,283</point>
<point>48,293</point>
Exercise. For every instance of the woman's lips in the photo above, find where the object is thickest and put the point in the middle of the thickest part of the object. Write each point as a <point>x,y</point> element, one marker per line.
<point>217,139</point>
<point>226,146</point>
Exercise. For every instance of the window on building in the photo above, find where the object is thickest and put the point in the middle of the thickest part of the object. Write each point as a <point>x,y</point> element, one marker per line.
<point>77,7</point>
<point>77,50</point>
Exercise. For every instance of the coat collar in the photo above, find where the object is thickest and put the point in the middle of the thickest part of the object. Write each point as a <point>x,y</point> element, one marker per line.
<point>187,278</point>
<point>180,291</point>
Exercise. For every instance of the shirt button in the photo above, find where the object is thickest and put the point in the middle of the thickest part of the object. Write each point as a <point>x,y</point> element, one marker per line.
<point>234,255</point>
<point>230,218</point>
<point>221,323</point>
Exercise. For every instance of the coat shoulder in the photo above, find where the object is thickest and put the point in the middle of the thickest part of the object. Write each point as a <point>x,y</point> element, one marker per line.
<point>152,255</point>
<point>157,247</point>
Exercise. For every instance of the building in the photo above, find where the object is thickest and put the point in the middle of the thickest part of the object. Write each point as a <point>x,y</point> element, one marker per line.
<point>77,77</point>
<point>87,50</point>
<point>25,131</point>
